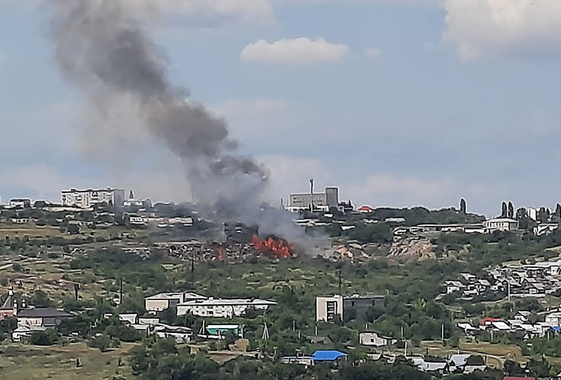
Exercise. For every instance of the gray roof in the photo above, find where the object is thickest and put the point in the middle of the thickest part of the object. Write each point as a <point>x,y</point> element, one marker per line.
<point>43,312</point>
<point>8,303</point>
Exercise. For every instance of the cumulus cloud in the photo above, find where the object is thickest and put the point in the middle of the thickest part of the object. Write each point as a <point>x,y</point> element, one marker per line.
<point>374,53</point>
<point>504,28</point>
<point>295,51</point>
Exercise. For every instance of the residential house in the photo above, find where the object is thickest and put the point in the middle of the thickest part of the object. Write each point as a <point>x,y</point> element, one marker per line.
<point>553,319</point>
<point>326,356</point>
<point>9,306</point>
<point>222,308</point>
<point>429,367</point>
<point>316,339</point>
<point>151,321</point>
<point>24,331</point>
<point>458,363</point>
<point>372,338</point>
<point>545,228</point>
<point>129,319</point>
<point>162,301</point>
<point>179,333</point>
<point>454,286</point>
<point>307,361</point>
<point>501,224</point>
<point>221,330</point>
<point>47,317</point>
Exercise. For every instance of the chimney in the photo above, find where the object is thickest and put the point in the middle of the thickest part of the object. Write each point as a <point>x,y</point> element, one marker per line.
<point>312,195</point>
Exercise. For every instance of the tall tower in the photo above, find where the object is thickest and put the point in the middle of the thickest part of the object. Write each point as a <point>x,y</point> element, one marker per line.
<point>312,194</point>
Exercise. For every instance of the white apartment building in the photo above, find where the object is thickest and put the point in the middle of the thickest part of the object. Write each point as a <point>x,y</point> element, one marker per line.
<point>501,224</point>
<point>222,308</point>
<point>328,307</point>
<point>163,301</point>
<point>91,197</point>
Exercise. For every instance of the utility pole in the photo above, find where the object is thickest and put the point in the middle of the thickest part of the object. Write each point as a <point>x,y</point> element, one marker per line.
<point>443,333</point>
<point>121,291</point>
<point>193,273</point>
<point>341,281</point>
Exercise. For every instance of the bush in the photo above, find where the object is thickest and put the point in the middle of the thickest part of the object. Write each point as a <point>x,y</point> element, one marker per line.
<point>102,342</point>
<point>44,338</point>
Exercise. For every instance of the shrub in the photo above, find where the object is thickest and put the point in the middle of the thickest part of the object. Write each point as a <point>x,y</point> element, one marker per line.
<point>44,338</point>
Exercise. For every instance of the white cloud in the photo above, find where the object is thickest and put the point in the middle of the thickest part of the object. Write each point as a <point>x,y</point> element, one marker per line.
<point>295,51</point>
<point>503,28</point>
<point>374,53</point>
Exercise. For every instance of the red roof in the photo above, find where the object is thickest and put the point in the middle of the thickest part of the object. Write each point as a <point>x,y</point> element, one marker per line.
<point>518,378</point>
<point>365,208</point>
<point>484,321</point>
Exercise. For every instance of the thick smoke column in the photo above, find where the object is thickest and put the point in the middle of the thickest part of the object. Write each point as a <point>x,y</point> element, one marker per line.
<point>103,48</point>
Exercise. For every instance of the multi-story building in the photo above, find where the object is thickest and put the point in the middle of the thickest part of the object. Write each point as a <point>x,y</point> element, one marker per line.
<point>91,197</point>
<point>328,199</point>
<point>361,304</point>
<point>329,308</point>
<point>222,308</point>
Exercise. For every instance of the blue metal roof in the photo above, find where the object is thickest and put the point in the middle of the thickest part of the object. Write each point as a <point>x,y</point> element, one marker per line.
<point>327,355</point>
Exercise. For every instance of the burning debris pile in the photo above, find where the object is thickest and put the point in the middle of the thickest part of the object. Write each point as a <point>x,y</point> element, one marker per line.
<point>229,251</point>
<point>273,246</point>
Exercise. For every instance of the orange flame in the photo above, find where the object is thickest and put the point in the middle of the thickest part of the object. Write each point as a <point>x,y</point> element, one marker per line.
<point>280,249</point>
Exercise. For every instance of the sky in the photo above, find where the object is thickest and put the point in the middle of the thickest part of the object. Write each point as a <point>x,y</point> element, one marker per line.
<point>397,102</point>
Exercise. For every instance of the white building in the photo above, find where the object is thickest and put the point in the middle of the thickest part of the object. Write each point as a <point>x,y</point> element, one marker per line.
<point>553,319</point>
<point>222,308</point>
<point>328,307</point>
<point>501,224</point>
<point>20,203</point>
<point>371,338</point>
<point>91,197</point>
<point>329,198</point>
<point>163,301</point>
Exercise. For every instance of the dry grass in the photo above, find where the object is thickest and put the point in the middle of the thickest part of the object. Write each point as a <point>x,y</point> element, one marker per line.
<point>39,363</point>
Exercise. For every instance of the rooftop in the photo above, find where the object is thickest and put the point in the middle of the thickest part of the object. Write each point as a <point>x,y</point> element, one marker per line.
<point>167,296</point>
<point>328,355</point>
<point>227,302</point>
<point>43,312</point>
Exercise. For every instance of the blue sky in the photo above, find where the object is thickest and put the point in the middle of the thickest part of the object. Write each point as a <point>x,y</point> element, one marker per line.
<point>400,103</point>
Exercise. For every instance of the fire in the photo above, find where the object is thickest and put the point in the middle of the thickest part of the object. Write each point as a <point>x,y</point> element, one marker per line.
<point>220,252</point>
<point>280,249</point>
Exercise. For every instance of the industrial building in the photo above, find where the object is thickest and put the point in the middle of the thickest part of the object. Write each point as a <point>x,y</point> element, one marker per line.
<point>326,200</point>
<point>91,197</point>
